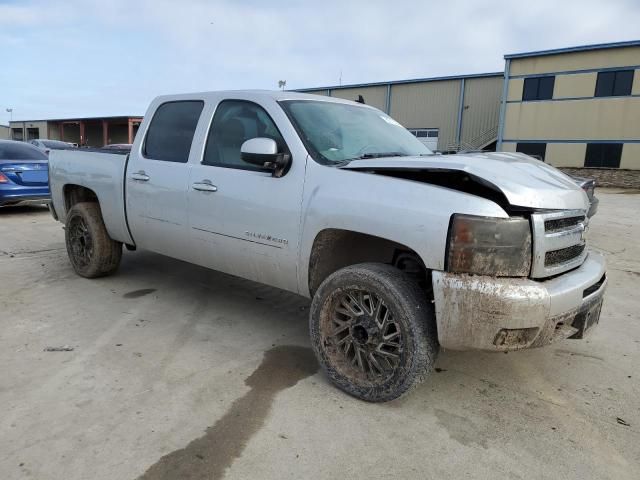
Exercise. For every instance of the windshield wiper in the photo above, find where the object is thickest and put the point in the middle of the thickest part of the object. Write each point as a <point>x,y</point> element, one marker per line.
<point>365,156</point>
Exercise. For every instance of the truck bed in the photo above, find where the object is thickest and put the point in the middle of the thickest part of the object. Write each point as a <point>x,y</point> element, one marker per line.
<point>103,174</point>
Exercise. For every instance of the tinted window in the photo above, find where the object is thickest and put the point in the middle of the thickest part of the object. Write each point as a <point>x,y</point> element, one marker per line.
<point>538,88</point>
<point>618,82</point>
<point>537,150</point>
<point>606,155</point>
<point>545,88</point>
<point>20,151</point>
<point>171,131</point>
<point>235,122</point>
<point>530,89</point>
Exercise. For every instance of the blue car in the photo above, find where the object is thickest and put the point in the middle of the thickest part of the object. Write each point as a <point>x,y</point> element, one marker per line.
<point>24,174</point>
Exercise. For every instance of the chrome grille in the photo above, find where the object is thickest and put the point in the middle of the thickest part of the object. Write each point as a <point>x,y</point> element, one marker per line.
<point>557,224</point>
<point>558,242</point>
<point>563,255</point>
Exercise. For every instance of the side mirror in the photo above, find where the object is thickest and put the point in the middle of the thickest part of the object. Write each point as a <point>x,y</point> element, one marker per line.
<point>264,153</point>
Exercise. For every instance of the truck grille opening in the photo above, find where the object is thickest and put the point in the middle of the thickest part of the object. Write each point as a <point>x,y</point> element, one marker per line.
<point>558,241</point>
<point>594,288</point>
<point>557,224</point>
<point>556,257</point>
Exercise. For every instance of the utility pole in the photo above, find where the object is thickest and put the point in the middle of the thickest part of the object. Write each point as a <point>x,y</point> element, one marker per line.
<point>10,112</point>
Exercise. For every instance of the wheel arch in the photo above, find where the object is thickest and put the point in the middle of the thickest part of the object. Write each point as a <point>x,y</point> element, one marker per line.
<point>335,248</point>
<point>74,193</point>
<point>112,213</point>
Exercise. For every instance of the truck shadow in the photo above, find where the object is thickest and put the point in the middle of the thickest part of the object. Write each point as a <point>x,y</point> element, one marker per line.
<point>23,210</point>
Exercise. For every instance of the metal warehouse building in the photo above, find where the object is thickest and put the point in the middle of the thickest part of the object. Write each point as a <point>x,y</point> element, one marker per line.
<point>89,131</point>
<point>448,113</point>
<point>576,107</point>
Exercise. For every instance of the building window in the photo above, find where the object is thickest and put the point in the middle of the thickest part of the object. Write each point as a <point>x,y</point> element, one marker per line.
<point>603,155</point>
<point>616,83</point>
<point>428,136</point>
<point>538,88</point>
<point>33,133</point>
<point>536,150</point>
<point>17,134</point>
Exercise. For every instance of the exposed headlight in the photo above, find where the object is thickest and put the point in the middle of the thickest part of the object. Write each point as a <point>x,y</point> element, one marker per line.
<point>489,246</point>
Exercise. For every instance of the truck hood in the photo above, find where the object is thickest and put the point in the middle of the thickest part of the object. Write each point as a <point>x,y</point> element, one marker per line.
<point>523,180</point>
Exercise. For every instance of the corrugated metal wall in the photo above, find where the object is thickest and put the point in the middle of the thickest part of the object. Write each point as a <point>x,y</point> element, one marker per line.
<point>574,117</point>
<point>564,62</point>
<point>435,103</point>
<point>428,105</point>
<point>317,92</point>
<point>481,110</point>
<point>375,96</point>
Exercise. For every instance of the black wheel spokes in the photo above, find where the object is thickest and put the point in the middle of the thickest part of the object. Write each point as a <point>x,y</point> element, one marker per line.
<point>366,335</point>
<point>81,243</point>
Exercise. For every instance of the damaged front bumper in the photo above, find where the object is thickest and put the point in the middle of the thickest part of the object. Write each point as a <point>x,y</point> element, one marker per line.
<point>501,314</point>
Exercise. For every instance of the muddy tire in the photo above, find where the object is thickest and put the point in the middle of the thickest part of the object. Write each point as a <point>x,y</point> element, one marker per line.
<point>91,251</point>
<point>373,331</point>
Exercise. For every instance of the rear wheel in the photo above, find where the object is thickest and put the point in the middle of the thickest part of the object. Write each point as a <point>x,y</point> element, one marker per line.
<point>373,331</point>
<point>91,251</point>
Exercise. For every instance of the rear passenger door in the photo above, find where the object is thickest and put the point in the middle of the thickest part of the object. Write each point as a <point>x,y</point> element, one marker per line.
<point>157,177</point>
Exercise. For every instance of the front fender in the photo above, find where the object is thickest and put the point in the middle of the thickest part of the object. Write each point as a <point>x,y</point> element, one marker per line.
<point>410,213</point>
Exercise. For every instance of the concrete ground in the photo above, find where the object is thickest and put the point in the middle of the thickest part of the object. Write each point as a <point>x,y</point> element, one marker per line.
<point>180,372</point>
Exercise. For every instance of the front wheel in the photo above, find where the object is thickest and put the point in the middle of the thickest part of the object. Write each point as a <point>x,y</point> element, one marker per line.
<point>373,331</point>
<point>91,251</point>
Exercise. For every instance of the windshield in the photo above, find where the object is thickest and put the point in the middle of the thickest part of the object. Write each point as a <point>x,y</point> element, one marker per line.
<point>55,144</point>
<point>20,151</point>
<point>337,132</point>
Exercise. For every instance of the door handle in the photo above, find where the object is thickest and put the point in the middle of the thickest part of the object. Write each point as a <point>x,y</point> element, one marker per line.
<point>205,186</point>
<point>140,176</point>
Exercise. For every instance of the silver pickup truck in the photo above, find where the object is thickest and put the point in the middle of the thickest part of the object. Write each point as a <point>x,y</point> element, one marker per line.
<point>402,251</point>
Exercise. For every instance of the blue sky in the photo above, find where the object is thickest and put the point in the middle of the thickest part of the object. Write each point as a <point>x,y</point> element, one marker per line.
<point>111,57</point>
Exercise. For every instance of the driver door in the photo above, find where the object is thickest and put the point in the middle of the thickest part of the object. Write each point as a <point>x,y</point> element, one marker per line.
<point>243,220</point>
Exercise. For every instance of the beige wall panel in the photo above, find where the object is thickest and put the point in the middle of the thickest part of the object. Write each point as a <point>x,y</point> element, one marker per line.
<point>41,126</point>
<point>630,156</point>
<point>54,131</point>
<point>322,92</point>
<point>595,119</point>
<point>4,132</point>
<point>635,90</point>
<point>509,147</point>
<point>515,89</point>
<point>576,85</point>
<point>566,154</point>
<point>481,108</point>
<point>374,96</point>
<point>428,105</point>
<point>614,57</point>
